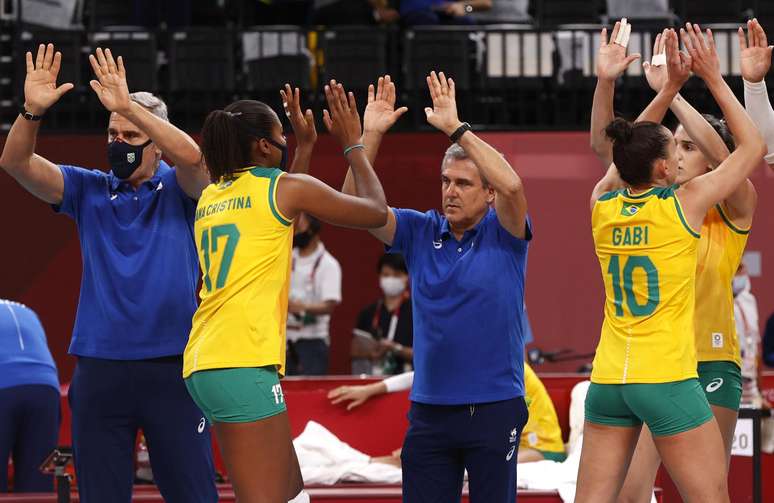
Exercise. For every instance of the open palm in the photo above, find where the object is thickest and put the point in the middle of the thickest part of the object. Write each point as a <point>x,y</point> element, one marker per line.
<point>755,53</point>
<point>612,60</point>
<point>111,88</point>
<point>40,89</point>
<point>380,113</point>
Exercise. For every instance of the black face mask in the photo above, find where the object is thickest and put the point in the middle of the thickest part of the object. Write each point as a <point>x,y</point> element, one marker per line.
<point>284,149</point>
<point>302,239</point>
<point>124,159</point>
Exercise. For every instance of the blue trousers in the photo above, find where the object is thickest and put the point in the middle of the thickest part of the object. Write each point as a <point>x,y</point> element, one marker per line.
<point>444,440</point>
<point>29,428</point>
<point>308,357</point>
<point>110,400</point>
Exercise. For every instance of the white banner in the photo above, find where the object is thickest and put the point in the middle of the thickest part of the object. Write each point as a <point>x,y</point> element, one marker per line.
<point>743,438</point>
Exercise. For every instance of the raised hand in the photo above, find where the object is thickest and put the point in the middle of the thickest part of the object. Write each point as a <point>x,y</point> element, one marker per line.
<point>678,63</point>
<point>656,73</point>
<point>40,89</point>
<point>705,62</point>
<point>612,60</point>
<point>302,123</point>
<point>755,52</point>
<point>111,88</point>
<point>341,118</point>
<point>380,113</point>
<point>443,115</point>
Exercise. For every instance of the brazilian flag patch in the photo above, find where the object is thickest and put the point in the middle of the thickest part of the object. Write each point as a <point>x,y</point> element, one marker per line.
<point>631,209</point>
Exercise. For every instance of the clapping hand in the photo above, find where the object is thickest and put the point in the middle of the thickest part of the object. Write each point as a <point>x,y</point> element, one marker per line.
<point>443,114</point>
<point>704,56</point>
<point>111,87</point>
<point>40,89</point>
<point>302,123</point>
<point>755,52</point>
<point>655,70</point>
<point>678,63</point>
<point>612,60</point>
<point>341,118</point>
<point>380,113</point>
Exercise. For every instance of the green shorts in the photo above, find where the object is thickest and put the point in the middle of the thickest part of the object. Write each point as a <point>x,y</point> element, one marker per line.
<point>237,395</point>
<point>722,383</point>
<point>553,456</point>
<point>667,408</point>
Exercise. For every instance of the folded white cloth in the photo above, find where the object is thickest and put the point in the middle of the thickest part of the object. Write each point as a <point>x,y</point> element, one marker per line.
<point>324,459</point>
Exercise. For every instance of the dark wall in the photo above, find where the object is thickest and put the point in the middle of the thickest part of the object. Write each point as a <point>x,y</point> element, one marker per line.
<point>41,256</point>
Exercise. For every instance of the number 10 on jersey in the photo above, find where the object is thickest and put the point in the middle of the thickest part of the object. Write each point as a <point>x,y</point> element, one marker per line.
<point>631,264</point>
<point>209,244</point>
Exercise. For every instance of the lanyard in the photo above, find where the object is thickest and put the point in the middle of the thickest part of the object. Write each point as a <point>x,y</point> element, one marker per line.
<point>377,327</point>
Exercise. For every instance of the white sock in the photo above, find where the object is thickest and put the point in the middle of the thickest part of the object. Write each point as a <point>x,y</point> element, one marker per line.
<point>301,497</point>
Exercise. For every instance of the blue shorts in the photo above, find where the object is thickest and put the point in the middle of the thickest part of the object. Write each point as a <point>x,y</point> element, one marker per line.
<point>444,440</point>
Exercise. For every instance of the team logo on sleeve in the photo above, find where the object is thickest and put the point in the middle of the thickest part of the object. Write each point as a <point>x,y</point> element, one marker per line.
<point>514,435</point>
<point>630,209</point>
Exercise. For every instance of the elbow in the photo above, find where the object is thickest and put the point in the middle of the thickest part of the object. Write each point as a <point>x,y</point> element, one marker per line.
<point>513,188</point>
<point>380,215</point>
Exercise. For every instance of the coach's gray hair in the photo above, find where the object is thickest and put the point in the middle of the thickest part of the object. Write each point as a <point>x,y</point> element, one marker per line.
<point>457,153</point>
<point>152,103</point>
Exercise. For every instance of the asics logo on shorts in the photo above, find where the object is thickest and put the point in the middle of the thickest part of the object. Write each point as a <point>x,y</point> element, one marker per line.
<point>714,385</point>
<point>510,453</point>
<point>201,426</point>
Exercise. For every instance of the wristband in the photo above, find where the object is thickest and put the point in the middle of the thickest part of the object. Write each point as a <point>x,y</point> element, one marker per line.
<point>457,134</point>
<point>29,115</point>
<point>352,147</point>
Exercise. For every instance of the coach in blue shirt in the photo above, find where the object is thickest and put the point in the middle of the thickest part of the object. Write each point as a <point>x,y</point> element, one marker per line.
<point>467,267</point>
<point>138,287</point>
<point>29,399</point>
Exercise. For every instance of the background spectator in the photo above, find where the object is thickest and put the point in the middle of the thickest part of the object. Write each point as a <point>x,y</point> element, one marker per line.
<point>315,290</point>
<point>29,399</point>
<point>383,337</point>
<point>354,12</point>
<point>746,318</point>
<point>434,12</point>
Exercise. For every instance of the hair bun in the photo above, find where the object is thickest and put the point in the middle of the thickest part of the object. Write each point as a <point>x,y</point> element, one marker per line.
<point>620,130</point>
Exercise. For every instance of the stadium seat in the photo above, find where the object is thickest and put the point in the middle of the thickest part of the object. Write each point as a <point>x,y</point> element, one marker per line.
<point>704,12</point>
<point>554,13</point>
<point>201,60</point>
<point>104,13</point>
<point>274,55</point>
<point>138,49</point>
<point>438,48</point>
<point>356,56</point>
<point>642,13</point>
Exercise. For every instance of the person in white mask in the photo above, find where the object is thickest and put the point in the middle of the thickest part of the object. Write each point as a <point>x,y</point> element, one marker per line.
<point>746,318</point>
<point>383,335</point>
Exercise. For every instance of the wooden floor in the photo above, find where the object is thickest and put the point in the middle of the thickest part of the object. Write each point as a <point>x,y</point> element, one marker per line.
<point>342,493</point>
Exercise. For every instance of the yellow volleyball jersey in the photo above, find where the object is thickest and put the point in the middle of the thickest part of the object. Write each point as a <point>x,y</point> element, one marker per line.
<point>720,250</point>
<point>542,431</point>
<point>244,245</point>
<point>647,253</point>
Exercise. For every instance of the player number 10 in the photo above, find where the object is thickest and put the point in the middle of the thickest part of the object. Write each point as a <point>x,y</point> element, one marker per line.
<point>633,263</point>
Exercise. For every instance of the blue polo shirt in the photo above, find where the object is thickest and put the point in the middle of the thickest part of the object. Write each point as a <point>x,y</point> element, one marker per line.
<point>24,355</point>
<point>468,304</point>
<point>140,266</point>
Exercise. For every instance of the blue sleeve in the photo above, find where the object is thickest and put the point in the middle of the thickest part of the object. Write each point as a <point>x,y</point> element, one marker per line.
<point>76,183</point>
<point>512,241</point>
<point>190,204</point>
<point>407,222</point>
